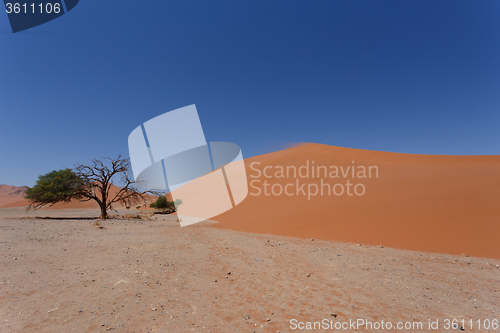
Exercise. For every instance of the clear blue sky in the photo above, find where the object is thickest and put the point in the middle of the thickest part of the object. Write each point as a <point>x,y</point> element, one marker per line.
<point>405,76</point>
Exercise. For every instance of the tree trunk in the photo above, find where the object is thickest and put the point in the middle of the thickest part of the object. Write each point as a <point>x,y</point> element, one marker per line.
<point>104,212</point>
<point>103,203</point>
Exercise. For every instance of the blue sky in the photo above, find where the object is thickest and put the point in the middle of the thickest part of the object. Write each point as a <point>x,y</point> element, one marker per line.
<point>404,76</point>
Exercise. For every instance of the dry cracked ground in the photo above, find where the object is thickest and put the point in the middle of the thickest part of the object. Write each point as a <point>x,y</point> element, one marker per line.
<point>137,275</point>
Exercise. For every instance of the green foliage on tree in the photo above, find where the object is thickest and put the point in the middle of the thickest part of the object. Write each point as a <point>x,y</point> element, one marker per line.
<point>53,187</point>
<point>163,203</point>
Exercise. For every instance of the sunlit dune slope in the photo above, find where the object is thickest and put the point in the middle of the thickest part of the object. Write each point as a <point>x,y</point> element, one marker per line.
<point>447,204</point>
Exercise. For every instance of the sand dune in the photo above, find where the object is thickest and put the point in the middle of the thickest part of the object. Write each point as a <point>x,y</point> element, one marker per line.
<point>435,203</point>
<point>10,194</point>
<point>446,204</point>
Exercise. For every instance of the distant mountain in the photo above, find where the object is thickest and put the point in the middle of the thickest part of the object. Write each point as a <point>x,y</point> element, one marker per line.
<point>10,194</point>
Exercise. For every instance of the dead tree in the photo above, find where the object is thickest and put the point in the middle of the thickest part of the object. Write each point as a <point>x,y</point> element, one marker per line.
<point>98,180</point>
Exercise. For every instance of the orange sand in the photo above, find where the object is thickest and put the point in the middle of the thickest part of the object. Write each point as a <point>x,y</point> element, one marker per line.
<point>435,203</point>
<point>10,194</point>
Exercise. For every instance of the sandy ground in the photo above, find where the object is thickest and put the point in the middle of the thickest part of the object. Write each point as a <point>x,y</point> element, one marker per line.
<point>62,275</point>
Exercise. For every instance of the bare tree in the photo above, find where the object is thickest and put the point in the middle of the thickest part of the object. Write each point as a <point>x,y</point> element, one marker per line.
<point>97,184</point>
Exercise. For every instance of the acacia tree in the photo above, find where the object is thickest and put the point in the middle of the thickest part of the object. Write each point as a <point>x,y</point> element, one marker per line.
<point>53,187</point>
<point>90,182</point>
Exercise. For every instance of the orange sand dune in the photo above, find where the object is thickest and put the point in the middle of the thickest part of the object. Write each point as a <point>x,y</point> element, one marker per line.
<point>10,194</point>
<point>436,203</point>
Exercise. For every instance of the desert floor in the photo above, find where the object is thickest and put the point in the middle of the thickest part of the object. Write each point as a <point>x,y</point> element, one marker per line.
<point>137,275</point>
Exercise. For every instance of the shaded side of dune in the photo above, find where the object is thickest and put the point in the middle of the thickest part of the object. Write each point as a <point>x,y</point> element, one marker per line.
<point>446,204</point>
